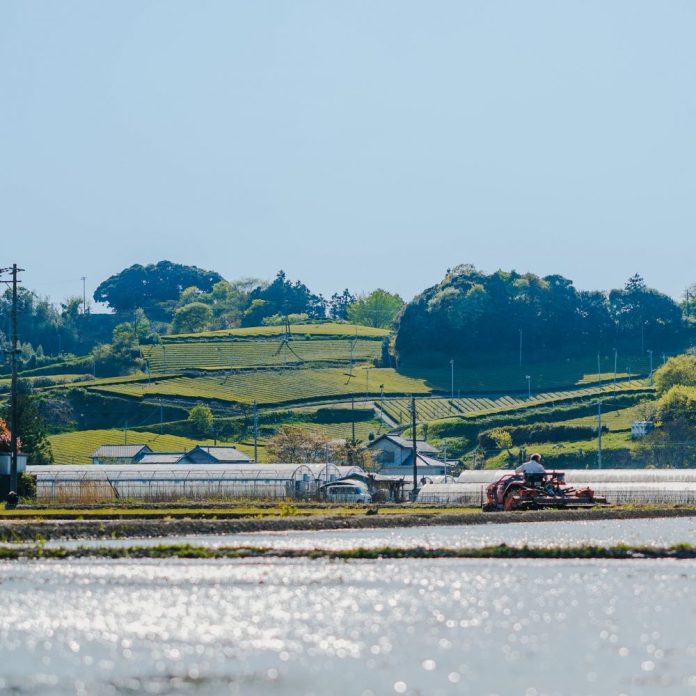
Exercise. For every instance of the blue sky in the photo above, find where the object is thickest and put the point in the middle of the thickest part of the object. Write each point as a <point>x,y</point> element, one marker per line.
<point>353,144</point>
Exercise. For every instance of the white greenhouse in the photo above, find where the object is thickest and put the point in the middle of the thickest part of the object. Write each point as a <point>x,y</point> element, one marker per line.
<point>85,483</point>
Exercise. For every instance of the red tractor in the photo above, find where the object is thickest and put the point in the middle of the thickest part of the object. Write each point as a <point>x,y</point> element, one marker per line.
<point>536,492</point>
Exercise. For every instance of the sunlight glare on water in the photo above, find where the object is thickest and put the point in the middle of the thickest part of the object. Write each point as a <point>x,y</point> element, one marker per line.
<point>316,627</point>
<point>653,532</point>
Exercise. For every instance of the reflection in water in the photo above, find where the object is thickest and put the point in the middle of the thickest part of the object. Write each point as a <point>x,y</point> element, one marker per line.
<point>368,627</point>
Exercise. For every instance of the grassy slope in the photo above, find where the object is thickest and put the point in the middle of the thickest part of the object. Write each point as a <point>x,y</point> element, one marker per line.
<point>615,420</point>
<point>582,453</point>
<point>512,378</point>
<point>75,448</point>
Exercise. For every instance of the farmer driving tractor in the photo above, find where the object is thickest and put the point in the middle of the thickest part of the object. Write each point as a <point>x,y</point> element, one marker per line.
<point>532,470</point>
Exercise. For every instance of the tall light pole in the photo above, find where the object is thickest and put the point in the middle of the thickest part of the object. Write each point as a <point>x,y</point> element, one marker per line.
<point>616,357</point>
<point>84,295</point>
<point>529,386</point>
<point>415,448</point>
<point>599,434</point>
<point>452,378</point>
<point>367,381</point>
<point>650,353</point>
<point>520,347</point>
<point>256,433</point>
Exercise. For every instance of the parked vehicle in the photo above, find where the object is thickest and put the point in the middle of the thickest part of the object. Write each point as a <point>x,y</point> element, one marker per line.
<point>347,492</point>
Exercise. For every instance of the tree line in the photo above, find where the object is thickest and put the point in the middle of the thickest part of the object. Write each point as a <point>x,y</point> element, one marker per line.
<point>482,316</point>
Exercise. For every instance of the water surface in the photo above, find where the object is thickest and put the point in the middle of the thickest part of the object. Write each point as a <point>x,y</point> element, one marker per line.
<point>368,627</point>
<point>657,532</point>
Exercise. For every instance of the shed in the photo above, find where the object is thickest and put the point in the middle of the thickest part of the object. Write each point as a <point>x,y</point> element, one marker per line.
<point>217,454</point>
<point>119,454</point>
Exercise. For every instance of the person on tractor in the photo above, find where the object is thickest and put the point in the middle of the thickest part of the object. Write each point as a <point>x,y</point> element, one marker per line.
<point>532,470</point>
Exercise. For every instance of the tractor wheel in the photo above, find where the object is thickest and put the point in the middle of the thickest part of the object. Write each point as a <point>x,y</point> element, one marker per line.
<point>510,501</point>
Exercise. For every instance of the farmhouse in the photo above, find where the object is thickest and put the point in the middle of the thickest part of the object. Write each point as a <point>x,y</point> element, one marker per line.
<point>395,455</point>
<point>142,454</point>
<point>217,454</point>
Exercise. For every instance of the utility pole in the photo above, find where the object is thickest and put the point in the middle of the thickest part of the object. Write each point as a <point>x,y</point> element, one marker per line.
<point>616,357</point>
<point>415,449</point>
<point>256,433</point>
<point>599,434</point>
<point>161,415</point>
<point>599,368</point>
<point>642,336</point>
<point>520,347</point>
<point>452,378</point>
<point>125,433</point>
<point>352,418</point>
<point>650,353</point>
<point>84,295</point>
<point>14,408</point>
<point>529,386</point>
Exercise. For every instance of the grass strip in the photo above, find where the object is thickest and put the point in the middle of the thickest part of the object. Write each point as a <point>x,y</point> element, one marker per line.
<point>186,551</point>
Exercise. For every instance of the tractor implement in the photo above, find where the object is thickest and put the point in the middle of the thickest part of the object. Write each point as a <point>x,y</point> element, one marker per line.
<point>538,492</point>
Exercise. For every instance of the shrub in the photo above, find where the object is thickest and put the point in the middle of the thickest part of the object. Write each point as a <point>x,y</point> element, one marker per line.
<point>542,432</point>
<point>201,417</point>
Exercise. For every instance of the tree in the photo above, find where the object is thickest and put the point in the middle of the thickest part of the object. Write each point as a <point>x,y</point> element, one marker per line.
<point>641,311</point>
<point>31,429</point>
<point>123,354</point>
<point>295,445</point>
<point>350,453</point>
<point>672,444</point>
<point>496,438</point>
<point>339,303</point>
<point>201,418</point>
<point>156,287</point>
<point>378,309</point>
<point>282,297</point>
<point>192,318</point>
<point>678,404</point>
<point>681,369</point>
<point>479,317</point>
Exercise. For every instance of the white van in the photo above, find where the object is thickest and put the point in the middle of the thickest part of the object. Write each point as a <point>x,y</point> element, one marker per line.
<point>347,492</point>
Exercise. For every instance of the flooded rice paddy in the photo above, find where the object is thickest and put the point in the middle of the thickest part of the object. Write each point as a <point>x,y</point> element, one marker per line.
<point>652,532</point>
<point>371,628</point>
<point>362,627</point>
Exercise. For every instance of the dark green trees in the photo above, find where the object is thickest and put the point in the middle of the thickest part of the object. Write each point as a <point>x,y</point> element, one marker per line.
<point>483,316</point>
<point>282,297</point>
<point>155,288</point>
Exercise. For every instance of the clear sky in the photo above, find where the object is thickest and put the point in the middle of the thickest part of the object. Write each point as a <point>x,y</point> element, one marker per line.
<point>356,143</point>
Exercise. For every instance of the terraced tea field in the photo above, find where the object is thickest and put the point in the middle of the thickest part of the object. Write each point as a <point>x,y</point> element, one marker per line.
<point>275,386</point>
<point>296,330</point>
<point>343,431</point>
<point>430,409</point>
<point>175,357</point>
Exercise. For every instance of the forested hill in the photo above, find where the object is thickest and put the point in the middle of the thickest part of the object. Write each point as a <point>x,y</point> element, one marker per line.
<point>480,316</point>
